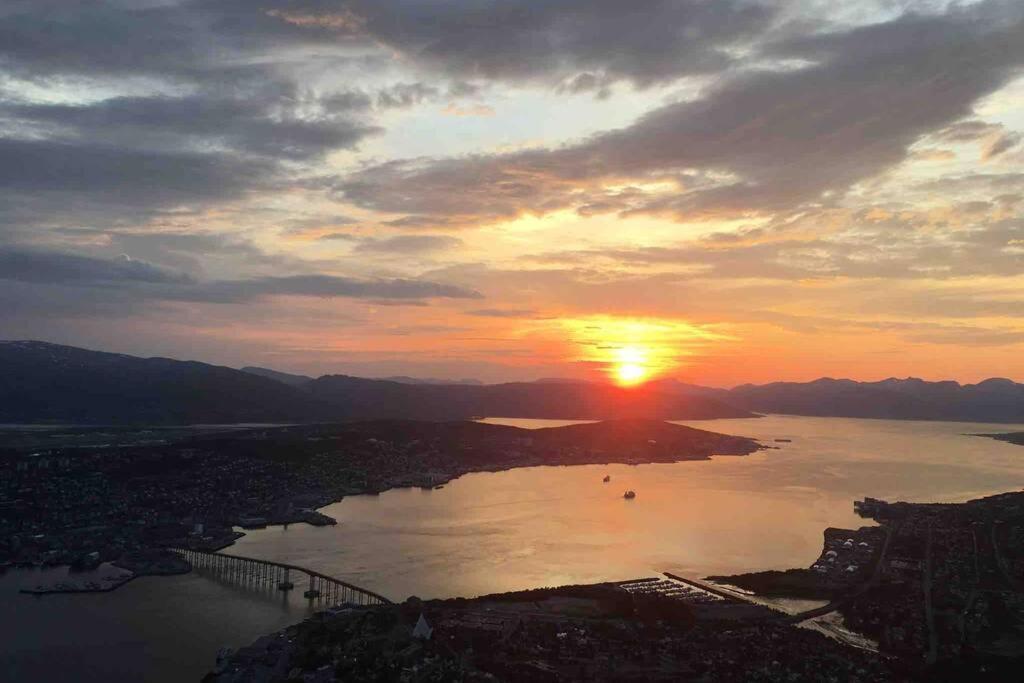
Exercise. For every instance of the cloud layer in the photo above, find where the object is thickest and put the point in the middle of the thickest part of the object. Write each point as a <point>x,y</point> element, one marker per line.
<point>454,187</point>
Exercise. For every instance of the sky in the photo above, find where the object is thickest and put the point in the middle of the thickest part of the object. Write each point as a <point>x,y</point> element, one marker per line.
<point>721,192</point>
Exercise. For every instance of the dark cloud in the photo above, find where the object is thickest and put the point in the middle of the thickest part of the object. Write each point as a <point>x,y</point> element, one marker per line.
<point>642,41</point>
<point>48,267</point>
<point>398,245</point>
<point>192,252</point>
<point>264,122</point>
<point>140,280</point>
<point>407,244</point>
<point>122,175</point>
<point>225,110</point>
<point>50,183</point>
<point>424,222</point>
<point>192,40</point>
<point>761,141</point>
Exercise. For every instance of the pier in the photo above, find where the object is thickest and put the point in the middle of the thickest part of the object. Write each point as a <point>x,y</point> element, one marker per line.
<point>321,589</point>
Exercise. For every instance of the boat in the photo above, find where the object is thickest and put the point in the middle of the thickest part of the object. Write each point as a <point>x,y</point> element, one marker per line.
<point>285,585</point>
<point>311,593</point>
<point>629,495</point>
<point>607,478</point>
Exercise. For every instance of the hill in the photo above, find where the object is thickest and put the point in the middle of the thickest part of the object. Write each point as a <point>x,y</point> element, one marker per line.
<point>563,401</point>
<point>42,382</point>
<point>284,377</point>
<point>993,400</point>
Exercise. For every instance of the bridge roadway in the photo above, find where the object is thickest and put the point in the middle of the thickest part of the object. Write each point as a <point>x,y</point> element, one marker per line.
<point>250,570</point>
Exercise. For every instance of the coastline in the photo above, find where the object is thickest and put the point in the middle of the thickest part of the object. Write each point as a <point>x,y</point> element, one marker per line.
<point>321,466</point>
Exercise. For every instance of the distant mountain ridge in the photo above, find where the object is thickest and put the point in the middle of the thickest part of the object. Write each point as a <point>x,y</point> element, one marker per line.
<point>43,382</point>
<point>992,400</point>
<point>405,379</point>
<point>568,401</point>
<point>284,377</point>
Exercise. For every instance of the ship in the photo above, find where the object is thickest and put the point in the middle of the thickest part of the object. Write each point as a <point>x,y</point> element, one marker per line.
<point>629,495</point>
<point>607,478</point>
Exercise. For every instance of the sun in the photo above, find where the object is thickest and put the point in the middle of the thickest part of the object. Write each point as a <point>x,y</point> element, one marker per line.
<point>630,365</point>
<point>628,374</point>
<point>629,352</point>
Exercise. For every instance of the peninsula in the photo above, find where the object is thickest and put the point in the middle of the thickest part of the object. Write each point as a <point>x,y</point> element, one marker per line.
<point>63,504</point>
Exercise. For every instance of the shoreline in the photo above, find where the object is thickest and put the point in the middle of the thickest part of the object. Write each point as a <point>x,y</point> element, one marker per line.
<point>40,591</point>
<point>739,446</point>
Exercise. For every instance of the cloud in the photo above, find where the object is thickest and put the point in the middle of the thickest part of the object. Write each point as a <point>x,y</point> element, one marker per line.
<point>34,265</point>
<point>1003,142</point>
<point>761,141</point>
<point>407,244</point>
<point>124,176</point>
<point>642,41</point>
<point>323,286</point>
<point>111,111</point>
<point>993,137</point>
<point>141,280</point>
<point>903,246</point>
<point>198,40</point>
<point>265,121</point>
<point>503,313</point>
<point>403,95</point>
<point>472,110</point>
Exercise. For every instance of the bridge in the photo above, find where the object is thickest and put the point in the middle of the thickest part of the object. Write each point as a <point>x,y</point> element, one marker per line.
<point>323,589</point>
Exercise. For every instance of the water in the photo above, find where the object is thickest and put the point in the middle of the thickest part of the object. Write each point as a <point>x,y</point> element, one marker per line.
<point>492,532</point>
<point>160,629</point>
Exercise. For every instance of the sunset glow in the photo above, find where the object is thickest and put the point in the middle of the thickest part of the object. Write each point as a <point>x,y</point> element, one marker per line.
<point>629,374</point>
<point>390,189</point>
<point>630,351</point>
<point>545,263</point>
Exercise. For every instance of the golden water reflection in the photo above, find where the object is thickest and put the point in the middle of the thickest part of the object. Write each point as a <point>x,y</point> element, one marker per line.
<point>490,532</point>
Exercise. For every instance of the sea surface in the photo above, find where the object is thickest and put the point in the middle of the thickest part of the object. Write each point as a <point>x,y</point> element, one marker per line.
<point>542,526</point>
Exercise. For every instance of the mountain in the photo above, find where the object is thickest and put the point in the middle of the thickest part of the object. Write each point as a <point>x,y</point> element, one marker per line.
<point>993,400</point>
<point>284,377</point>
<point>404,379</point>
<point>42,382</point>
<point>567,401</point>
